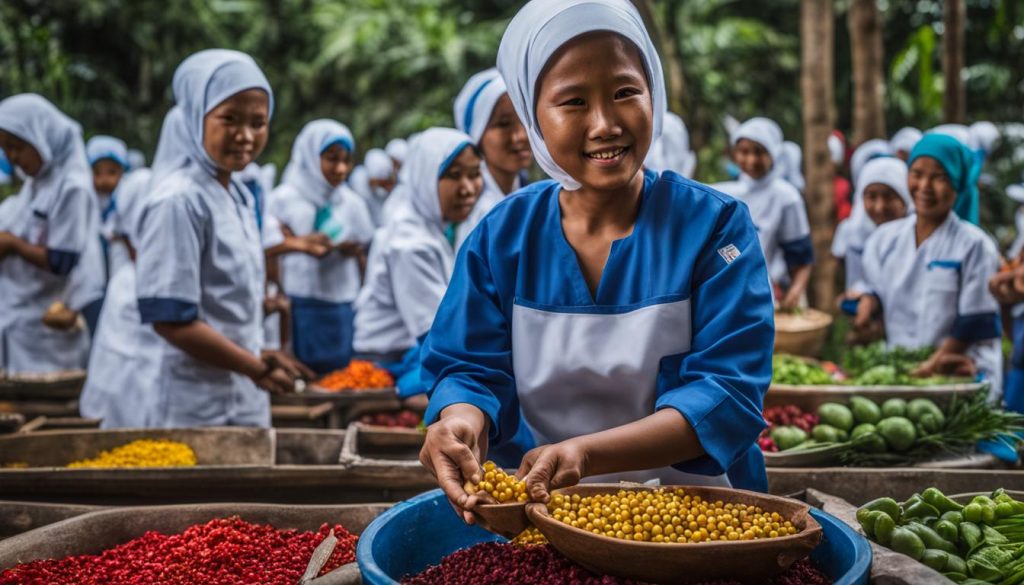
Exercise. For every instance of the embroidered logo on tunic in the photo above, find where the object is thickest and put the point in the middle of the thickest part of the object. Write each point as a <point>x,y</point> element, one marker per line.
<point>729,253</point>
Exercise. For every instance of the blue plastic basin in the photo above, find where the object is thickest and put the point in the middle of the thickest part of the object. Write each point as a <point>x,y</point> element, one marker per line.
<point>420,532</point>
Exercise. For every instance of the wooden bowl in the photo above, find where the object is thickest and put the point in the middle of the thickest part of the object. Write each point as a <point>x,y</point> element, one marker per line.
<point>750,562</point>
<point>507,520</point>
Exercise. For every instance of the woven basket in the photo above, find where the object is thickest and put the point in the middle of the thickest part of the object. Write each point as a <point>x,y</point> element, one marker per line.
<point>802,334</point>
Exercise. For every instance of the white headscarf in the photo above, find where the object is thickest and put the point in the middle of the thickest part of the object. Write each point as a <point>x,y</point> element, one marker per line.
<point>429,158</point>
<point>958,131</point>
<point>136,159</point>
<point>793,160</point>
<point>202,82</point>
<point>539,30</point>
<point>983,136</point>
<point>765,132</point>
<point>56,137</point>
<point>378,164</point>
<point>101,147</point>
<point>836,150</point>
<point>905,139</point>
<point>397,149</point>
<point>476,101</point>
<point>672,151</point>
<point>871,149</point>
<point>889,171</point>
<point>172,147</point>
<point>131,197</point>
<point>303,172</point>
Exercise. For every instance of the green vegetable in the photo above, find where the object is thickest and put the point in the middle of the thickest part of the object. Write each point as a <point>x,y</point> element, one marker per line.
<point>898,432</point>
<point>884,526</point>
<point>888,505</point>
<point>894,407</point>
<point>866,521</point>
<point>947,530</point>
<point>955,564</point>
<point>787,437</point>
<point>878,376</point>
<point>936,498</point>
<point>954,517</point>
<point>827,434</point>
<point>864,410</point>
<point>870,443</point>
<point>970,536</point>
<point>906,542</point>
<point>934,558</point>
<point>972,512</point>
<point>862,429</point>
<point>930,538</point>
<point>837,415</point>
<point>931,423</point>
<point>787,369</point>
<point>993,536</point>
<point>918,407</point>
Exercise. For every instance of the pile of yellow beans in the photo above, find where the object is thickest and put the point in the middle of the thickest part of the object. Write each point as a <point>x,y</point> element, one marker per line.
<point>143,453</point>
<point>669,516</point>
<point>501,486</point>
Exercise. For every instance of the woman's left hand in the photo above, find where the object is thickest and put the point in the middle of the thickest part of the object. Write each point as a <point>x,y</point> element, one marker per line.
<point>551,467</point>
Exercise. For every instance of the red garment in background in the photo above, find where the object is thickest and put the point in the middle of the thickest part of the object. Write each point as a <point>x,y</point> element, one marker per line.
<point>841,191</point>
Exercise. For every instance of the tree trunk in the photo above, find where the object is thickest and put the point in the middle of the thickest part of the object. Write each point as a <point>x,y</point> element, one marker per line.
<point>865,24</point>
<point>662,35</point>
<point>954,101</point>
<point>817,68</point>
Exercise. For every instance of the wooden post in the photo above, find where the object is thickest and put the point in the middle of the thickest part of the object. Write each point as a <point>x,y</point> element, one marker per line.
<point>817,43</point>
<point>865,24</point>
<point>954,100</point>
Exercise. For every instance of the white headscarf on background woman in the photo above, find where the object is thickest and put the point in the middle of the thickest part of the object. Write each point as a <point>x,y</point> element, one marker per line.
<point>397,149</point>
<point>672,151</point>
<point>56,137</point>
<point>905,139</point>
<point>172,146</point>
<point>101,147</point>
<point>793,161</point>
<point>854,231</point>
<point>768,134</point>
<point>872,149</point>
<point>539,30</point>
<point>303,172</point>
<point>476,101</point>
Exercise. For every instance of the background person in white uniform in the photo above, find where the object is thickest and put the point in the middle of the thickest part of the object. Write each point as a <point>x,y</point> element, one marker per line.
<point>200,257</point>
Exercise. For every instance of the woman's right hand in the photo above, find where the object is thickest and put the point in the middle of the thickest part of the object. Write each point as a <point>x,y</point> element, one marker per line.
<point>316,244</point>
<point>452,452</point>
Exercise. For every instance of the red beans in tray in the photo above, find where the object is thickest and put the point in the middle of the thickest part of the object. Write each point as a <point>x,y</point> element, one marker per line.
<point>221,552</point>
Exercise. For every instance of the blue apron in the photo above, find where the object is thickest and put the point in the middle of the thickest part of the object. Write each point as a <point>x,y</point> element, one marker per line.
<point>1014,390</point>
<point>322,333</point>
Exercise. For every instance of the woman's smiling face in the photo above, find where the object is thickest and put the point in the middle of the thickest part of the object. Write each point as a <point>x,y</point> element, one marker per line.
<point>594,110</point>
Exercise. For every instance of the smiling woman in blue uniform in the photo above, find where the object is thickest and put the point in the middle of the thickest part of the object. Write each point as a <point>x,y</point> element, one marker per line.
<point>484,111</point>
<point>928,273</point>
<point>618,319</point>
<point>200,267</point>
<point>775,205</point>
<point>411,259</point>
<point>311,199</point>
<point>44,232</point>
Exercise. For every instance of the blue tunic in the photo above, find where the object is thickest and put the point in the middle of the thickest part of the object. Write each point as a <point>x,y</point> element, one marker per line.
<point>682,319</point>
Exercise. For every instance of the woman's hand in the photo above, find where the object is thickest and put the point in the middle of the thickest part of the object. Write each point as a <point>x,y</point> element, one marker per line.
<point>550,467</point>
<point>866,309</point>
<point>59,316</point>
<point>1003,288</point>
<point>7,242</point>
<point>452,452</point>
<point>280,372</point>
<point>315,244</point>
<point>350,249</point>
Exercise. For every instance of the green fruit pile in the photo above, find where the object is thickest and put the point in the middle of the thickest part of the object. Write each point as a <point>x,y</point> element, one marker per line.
<point>978,543</point>
<point>867,427</point>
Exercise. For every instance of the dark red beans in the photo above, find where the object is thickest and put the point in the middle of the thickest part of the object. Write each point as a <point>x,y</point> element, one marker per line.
<point>493,563</point>
<point>225,551</point>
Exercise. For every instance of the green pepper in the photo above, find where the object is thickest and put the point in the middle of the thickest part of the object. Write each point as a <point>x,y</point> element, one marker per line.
<point>883,527</point>
<point>972,512</point>
<point>970,536</point>
<point>911,501</point>
<point>988,508</point>
<point>983,569</point>
<point>887,505</point>
<point>920,511</point>
<point>954,517</point>
<point>906,542</point>
<point>930,538</point>
<point>939,500</point>
<point>955,564</point>
<point>947,530</point>
<point>934,558</point>
<point>866,522</point>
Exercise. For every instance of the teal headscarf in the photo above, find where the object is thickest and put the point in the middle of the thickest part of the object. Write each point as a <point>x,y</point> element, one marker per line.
<point>958,161</point>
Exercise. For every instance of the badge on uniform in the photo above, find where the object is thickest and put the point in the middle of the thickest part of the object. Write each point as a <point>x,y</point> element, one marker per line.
<point>729,253</point>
